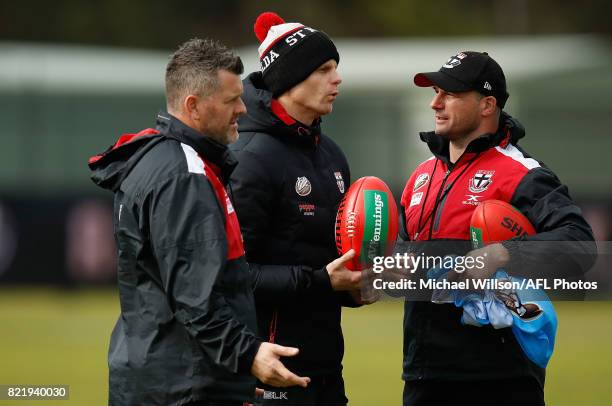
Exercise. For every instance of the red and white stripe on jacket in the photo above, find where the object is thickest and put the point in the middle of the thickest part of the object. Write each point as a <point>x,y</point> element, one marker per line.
<point>195,164</point>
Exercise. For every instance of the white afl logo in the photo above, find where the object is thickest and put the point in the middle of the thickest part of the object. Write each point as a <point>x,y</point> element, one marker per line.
<point>302,186</point>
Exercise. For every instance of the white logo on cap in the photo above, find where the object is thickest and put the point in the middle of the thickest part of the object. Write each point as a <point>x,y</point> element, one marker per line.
<point>487,86</point>
<point>454,60</point>
<point>451,63</point>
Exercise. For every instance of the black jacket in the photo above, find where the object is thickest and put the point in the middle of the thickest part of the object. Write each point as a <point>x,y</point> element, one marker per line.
<point>186,328</point>
<point>286,188</point>
<point>437,215</point>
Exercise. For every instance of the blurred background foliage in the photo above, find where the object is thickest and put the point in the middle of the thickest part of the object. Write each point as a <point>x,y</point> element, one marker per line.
<point>162,24</point>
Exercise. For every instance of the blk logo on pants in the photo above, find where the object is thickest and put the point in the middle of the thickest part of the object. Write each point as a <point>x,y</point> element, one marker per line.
<point>269,395</point>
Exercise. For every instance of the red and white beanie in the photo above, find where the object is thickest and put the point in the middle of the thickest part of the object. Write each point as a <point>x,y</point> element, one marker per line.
<point>290,52</point>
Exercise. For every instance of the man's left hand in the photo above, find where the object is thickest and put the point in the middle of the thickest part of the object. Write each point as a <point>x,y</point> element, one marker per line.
<point>493,256</point>
<point>367,294</point>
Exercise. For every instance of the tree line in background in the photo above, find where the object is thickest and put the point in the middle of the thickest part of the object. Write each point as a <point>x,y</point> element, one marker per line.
<point>163,24</point>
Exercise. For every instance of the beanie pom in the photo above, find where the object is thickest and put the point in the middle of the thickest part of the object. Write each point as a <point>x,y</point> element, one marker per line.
<point>264,22</point>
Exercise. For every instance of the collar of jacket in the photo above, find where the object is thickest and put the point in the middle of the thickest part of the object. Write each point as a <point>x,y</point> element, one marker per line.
<point>222,159</point>
<point>509,131</point>
<point>266,115</point>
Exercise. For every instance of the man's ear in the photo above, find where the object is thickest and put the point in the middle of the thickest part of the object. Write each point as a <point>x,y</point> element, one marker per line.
<point>488,106</point>
<point>190,106</point>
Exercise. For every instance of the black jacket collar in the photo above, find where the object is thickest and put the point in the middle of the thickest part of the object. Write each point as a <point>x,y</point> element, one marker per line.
<point>209,149</point>
<point>509,130</point>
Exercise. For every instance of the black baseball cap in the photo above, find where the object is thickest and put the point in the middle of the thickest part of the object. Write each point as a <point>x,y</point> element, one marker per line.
<point>467,71</point>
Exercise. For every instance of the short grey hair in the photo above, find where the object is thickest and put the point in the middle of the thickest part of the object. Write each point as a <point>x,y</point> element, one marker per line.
<point>193,69</point>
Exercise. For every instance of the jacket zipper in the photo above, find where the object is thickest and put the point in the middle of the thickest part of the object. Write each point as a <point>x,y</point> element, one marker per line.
<point>437,203</point>
<point>273,322</point>
<point>439,212</point>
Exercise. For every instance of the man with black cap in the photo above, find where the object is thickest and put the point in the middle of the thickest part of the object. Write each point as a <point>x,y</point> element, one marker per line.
<point>286,190</point>
<point>476,158</point>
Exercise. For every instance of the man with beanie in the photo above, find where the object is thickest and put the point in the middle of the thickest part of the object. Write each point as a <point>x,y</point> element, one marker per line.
<point>476,158</point>
<point>286,190</point>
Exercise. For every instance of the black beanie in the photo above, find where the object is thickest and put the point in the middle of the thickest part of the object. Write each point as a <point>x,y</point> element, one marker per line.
<point>290,52</point>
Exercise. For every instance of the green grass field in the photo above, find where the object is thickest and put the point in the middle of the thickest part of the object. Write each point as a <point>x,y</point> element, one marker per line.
<point>61,337</point>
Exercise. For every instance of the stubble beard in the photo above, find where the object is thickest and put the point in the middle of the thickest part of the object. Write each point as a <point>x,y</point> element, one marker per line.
<point>464,131</point>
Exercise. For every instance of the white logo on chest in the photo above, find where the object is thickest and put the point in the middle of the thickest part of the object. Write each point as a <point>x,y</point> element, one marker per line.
<point>416,199</point>
<point>420,181</point>
<point>481,181</point>
<point>303,186</point>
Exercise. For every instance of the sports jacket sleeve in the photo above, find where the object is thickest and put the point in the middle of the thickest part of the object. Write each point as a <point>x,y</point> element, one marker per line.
<point>188,239</point>
<point>253,194</point>
<point>564,243</point>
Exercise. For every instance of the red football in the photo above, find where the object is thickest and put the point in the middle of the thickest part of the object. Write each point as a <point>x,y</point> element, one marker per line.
<point>366,222</point>
<point>496,220</point>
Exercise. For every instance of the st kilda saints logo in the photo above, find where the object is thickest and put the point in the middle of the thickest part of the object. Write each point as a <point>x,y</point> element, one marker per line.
<point>481,181</point>
<point>303,186</point>
<point>454,60</point>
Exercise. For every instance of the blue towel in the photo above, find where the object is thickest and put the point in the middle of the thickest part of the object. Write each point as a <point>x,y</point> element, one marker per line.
<point>529,312</point>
